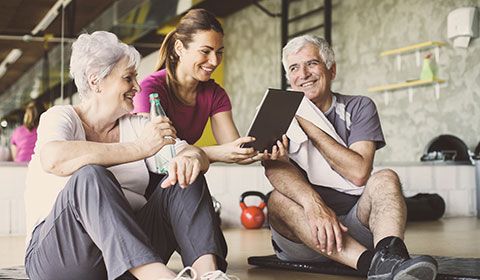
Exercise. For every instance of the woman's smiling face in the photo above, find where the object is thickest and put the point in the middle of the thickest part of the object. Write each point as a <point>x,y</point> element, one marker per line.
<point>201,57</point>
<point>120,86</point>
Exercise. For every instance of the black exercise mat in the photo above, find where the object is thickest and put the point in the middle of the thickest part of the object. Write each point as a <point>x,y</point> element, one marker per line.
<point>449,268</point>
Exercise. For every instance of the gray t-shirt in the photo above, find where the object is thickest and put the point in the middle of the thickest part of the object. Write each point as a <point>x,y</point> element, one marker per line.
<point>350,119</point>
<point>355,118</point>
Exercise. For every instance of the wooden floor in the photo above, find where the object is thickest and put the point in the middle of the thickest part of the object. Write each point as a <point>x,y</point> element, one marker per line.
<point>448,237</point>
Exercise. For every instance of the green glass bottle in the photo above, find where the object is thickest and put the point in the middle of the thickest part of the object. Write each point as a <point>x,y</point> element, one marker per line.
<point>167,152</point>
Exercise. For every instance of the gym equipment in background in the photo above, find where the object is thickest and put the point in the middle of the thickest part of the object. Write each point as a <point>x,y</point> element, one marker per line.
<point>252,217</point>
<point>477,152</point>
<point>447,148</point>
<point>425,207</point>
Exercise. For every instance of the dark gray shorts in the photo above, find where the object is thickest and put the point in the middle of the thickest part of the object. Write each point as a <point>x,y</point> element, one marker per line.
<point>291,251</point>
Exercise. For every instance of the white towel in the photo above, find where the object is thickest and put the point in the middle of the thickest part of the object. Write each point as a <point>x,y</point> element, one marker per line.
<point>306,155</point>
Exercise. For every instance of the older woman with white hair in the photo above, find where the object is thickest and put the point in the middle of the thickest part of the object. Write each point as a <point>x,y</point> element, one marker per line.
<point>87,212</point>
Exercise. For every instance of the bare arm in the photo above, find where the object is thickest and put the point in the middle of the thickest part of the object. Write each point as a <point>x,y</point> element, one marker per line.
<point>13,149</point>
<point>63,158</point>
<point>288,180</point>
<point>55,158</point>
<point>354,162</point>
<point>229,140</point>
<point>224,128</point>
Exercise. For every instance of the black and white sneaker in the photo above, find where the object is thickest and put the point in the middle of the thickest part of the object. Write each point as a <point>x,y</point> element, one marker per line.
<point>395,267</point>
<point>421,267</point>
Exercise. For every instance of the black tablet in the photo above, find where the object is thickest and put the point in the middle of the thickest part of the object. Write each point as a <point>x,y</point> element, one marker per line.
<point>272,119</point>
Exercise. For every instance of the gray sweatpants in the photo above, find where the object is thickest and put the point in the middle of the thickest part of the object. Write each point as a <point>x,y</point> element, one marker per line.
<point>92,232</point>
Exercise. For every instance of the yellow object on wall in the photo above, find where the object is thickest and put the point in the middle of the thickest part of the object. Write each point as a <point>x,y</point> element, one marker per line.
<point>207,138</point>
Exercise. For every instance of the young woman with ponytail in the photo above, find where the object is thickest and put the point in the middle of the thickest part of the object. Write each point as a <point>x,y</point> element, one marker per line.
<point>187,58</point>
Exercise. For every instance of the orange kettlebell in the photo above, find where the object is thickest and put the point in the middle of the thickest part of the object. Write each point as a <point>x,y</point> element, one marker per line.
<point>252,217</point>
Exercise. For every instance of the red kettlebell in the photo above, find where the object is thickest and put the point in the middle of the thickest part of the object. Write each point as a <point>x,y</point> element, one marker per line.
<point>252,216</point>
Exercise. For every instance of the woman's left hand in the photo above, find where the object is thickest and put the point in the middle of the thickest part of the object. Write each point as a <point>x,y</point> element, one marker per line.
<point>234,153</point>
<point>182,169</point>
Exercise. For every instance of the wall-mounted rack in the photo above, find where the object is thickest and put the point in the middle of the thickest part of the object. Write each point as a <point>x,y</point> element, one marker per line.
<point>411,84</point>
<point>407,84</point>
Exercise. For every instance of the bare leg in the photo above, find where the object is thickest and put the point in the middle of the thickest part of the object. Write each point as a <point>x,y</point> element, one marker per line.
<point>204,264</point>
<point>152,271</point>
<point>382,206</point>
<point>288,218</point>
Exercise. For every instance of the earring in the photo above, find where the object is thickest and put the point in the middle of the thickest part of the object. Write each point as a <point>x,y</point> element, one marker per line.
<point>97,90</point>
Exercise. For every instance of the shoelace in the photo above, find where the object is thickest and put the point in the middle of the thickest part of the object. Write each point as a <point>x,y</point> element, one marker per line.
<point>182,275</point>
<point>218,275</point>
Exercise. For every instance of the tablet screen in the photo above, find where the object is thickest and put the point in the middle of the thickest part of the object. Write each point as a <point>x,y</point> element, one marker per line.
<point>272,119</point>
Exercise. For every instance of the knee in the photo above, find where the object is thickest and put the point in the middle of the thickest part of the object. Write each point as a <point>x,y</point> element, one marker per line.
<point>198,188</point>
<point>90,176</point>
<point>387,175</point>
<point>91,170</point>
<point>273,199</point>
<point>200,181</point>
<point>384,179</point>
<point>275,204</point>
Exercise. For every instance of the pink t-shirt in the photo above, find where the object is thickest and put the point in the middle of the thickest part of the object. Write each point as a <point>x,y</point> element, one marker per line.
<point>24,140</point>
<point>189,121</point>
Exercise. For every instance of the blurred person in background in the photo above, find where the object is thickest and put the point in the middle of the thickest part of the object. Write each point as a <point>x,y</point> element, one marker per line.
<point>24,137</point>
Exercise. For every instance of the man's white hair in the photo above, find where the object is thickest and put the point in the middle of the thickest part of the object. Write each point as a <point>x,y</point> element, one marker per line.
<point>297,43</point>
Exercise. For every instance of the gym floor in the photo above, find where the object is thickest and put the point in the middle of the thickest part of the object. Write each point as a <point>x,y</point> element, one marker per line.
<point>447,237</point>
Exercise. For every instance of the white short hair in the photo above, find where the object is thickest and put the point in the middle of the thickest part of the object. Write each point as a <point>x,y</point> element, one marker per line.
<point>97,54</point>
<point>297,43</point>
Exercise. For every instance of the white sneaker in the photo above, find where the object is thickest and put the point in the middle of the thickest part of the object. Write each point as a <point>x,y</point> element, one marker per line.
<point>183,275</point>
<point>218,275</point>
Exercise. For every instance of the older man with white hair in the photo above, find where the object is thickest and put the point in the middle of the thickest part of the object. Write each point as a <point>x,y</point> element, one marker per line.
<point>327,204</point>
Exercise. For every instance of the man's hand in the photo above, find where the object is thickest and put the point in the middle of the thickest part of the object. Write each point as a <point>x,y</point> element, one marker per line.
<point>279,151</point>
<point>182,169</point>
<point>326,230</point>
<point>307,126</point>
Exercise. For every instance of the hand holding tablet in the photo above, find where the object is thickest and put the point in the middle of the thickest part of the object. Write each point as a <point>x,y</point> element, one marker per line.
<point>272,119</point>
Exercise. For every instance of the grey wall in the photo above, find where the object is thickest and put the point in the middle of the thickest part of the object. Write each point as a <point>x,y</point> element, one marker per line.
<point>252,59</point>
<point>361,30</point>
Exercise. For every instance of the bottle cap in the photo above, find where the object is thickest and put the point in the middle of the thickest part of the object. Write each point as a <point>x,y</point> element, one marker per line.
<point>153,96</point>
